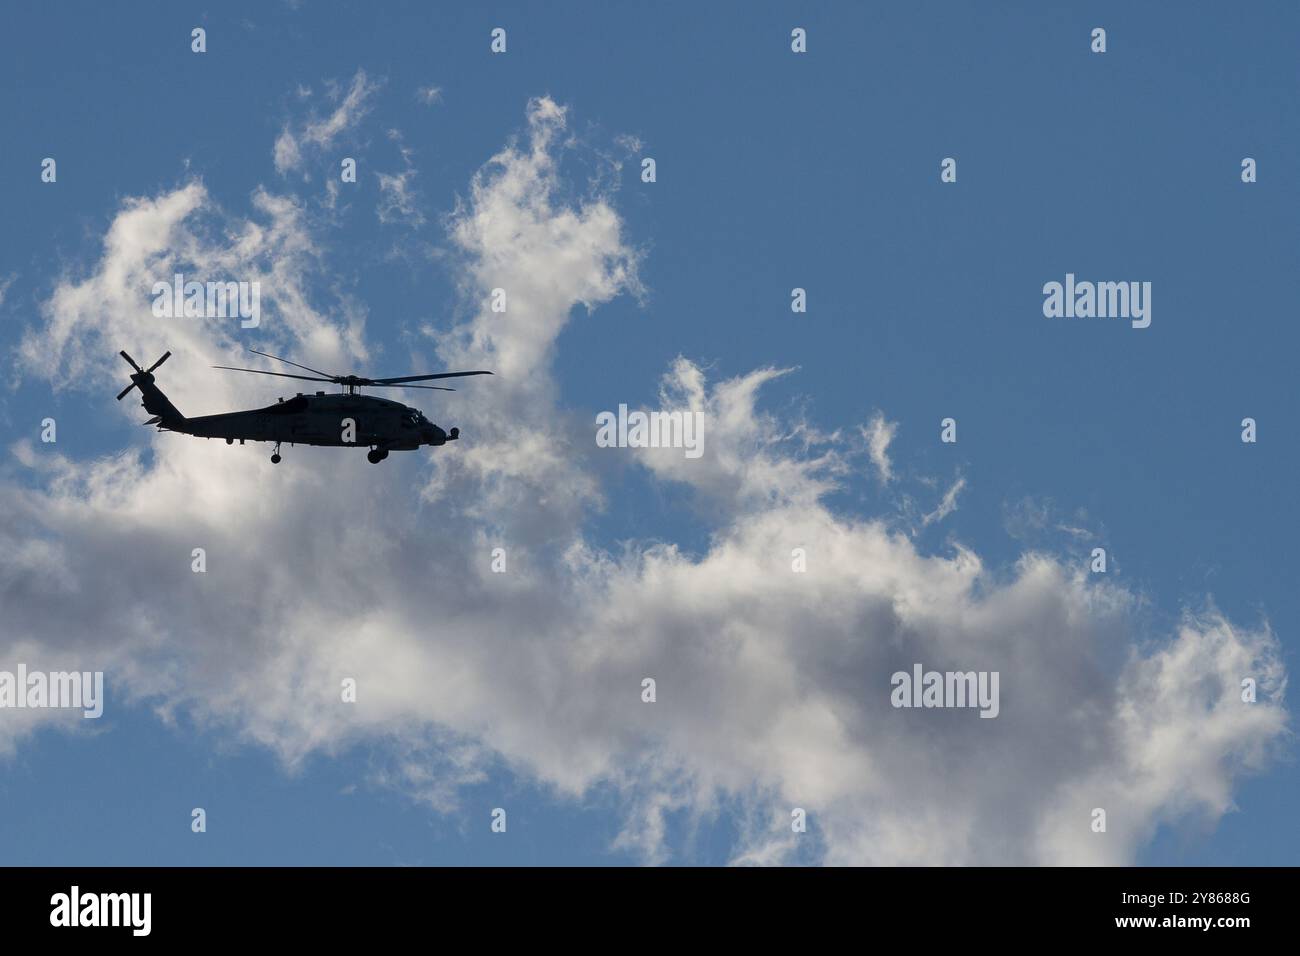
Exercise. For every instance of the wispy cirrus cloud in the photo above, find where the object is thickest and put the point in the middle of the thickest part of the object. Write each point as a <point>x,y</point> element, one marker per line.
<point>320,133</point>
<point>879,433</point>
<point>399,201</point>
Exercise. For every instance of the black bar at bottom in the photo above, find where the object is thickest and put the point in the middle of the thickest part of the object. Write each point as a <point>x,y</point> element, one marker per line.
<point>734,905</point>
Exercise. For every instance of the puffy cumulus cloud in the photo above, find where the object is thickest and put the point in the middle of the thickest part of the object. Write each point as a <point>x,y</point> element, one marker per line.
<point>747,459</point>
<point>1183,733</point>
<point>769,678</point>
<point>517,243</point>
<point>547,256</point>
<point>90,316</point>
<point>773,684</point>
<point>320,133</point>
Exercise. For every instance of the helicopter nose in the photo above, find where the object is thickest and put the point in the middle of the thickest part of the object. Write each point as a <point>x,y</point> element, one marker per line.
<point>434,435</point>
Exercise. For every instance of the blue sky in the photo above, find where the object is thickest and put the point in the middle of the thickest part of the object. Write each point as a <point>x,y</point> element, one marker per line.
<point>774,170</point>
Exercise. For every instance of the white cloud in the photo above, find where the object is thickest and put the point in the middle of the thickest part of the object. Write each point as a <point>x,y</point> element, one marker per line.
<point>398,199</point>
<point>947,505</point>
<point>879,432</point>
<point>752,459</point>
<point>320,134</point>
<point>773,686</point>
<point>428,95</point>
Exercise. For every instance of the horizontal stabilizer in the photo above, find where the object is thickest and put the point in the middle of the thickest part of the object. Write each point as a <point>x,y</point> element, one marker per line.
<point>154,421</point>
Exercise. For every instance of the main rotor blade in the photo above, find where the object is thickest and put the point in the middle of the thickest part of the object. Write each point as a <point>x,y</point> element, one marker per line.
<point>122,394</point>
<point>423,378</point>
<point>294,364</point>
<point>130,361</point>
<point>305,378</point>
<point>166,356</point>
<point>440,388</point>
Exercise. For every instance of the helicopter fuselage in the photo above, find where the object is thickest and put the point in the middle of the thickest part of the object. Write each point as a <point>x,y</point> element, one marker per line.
<point>332,419</point>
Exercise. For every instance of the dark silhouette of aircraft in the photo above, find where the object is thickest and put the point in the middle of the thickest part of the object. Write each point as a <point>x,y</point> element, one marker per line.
<point>338,419</point>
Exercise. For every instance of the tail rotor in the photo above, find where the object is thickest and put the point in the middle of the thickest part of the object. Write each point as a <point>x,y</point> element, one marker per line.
<point>142,376</point>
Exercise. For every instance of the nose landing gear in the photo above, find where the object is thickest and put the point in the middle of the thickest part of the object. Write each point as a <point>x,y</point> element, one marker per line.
<point>275,455</point>
<point>376,455</point>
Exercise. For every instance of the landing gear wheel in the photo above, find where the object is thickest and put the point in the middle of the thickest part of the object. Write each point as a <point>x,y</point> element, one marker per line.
<point>376,455</point>
<point>275,455</point>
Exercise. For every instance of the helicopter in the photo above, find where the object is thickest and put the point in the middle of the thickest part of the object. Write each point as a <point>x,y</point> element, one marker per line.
<point>338,419</point>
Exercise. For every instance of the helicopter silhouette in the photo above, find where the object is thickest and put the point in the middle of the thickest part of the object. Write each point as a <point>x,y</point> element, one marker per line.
<point>337,419</point>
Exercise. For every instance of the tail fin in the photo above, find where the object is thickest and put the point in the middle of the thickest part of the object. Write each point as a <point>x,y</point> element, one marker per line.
<point>155,402</point>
